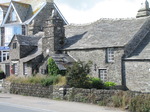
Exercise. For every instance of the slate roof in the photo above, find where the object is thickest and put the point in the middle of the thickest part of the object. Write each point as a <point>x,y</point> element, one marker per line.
<point>62,61</point>
<point>22,9</point>
<point>32,55</point>
<point>28,9</point>
<point>103,33</point>
<point>142,51</point>
<point>28,40</point>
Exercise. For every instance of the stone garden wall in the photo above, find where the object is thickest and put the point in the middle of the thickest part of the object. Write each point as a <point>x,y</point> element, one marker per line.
<point>71,94</point>
<point>88,95</point>
<point>31,90</point>
<point>58,92</point>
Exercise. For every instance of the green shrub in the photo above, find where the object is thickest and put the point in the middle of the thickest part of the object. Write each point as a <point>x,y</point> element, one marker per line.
<point>96,83</point>
<point>77,75</point>
<point>109,84</point>
<point>52,80</point>
<point>140,103</point>
<point>52,67</point>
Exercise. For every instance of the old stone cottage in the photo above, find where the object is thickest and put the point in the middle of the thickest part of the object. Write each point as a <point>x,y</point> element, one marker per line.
<point>118,48</point>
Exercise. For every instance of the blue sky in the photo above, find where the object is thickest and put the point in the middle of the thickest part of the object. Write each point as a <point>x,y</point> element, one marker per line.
<point>86,11</point>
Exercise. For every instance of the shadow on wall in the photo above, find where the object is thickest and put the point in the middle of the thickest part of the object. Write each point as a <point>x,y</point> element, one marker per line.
<point>74,39</point>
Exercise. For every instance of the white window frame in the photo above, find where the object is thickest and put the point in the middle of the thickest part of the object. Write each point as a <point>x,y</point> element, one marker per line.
<point>15,68</point>
<point>110,55</point>
<point>25,68</point>
<point>4,55</point>
<point>103,74</point>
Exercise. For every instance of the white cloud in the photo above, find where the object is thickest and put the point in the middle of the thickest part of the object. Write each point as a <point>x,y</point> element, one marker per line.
<point>103,9</point>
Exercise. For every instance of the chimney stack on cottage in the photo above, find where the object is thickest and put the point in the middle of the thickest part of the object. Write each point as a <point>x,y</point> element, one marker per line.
<point>54,33</point>
<point>144,11</point>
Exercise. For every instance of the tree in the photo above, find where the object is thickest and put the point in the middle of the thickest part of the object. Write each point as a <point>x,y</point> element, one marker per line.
<point>77,75</point>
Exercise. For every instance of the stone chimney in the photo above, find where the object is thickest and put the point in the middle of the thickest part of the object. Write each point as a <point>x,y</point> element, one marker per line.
<point>54,33</point>
<point>144,10</point>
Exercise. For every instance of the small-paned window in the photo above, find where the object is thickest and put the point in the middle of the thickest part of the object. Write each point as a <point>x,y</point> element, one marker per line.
<point>103,74</point>
<point>110,55</point>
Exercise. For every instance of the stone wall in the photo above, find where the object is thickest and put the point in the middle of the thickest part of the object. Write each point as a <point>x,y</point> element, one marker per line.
<point>137,74</point>
<point>70,94</point>
<point>14,53</point>
<point>58,92</point>
<point>31,90</point>
<point>88,95</point>
<point>98,58</point>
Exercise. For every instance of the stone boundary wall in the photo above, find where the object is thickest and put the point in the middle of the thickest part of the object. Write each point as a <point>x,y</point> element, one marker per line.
<point>58,92</point>
<point>88,95</point>
<point>71,94</point>
<point>31,90</point>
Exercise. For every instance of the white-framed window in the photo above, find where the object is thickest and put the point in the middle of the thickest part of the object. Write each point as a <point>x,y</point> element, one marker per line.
<point>13,16</point>
<point>4,55</point>
<point>15,68</point>
<point>110,55</point>
<point>25,68</point>
<point>103,74</point>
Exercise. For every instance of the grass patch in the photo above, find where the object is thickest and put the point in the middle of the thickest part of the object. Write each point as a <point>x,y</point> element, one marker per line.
<point>140,103</point>
<point>38,79</point>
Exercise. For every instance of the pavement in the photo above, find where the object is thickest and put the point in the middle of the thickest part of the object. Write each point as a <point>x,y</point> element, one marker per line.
<point>35,104</point>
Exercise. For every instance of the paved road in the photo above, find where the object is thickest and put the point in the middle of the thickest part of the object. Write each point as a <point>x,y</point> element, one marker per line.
<point>17,103</point>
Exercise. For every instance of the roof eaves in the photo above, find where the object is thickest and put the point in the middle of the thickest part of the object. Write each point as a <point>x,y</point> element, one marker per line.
<point>91,48</point>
